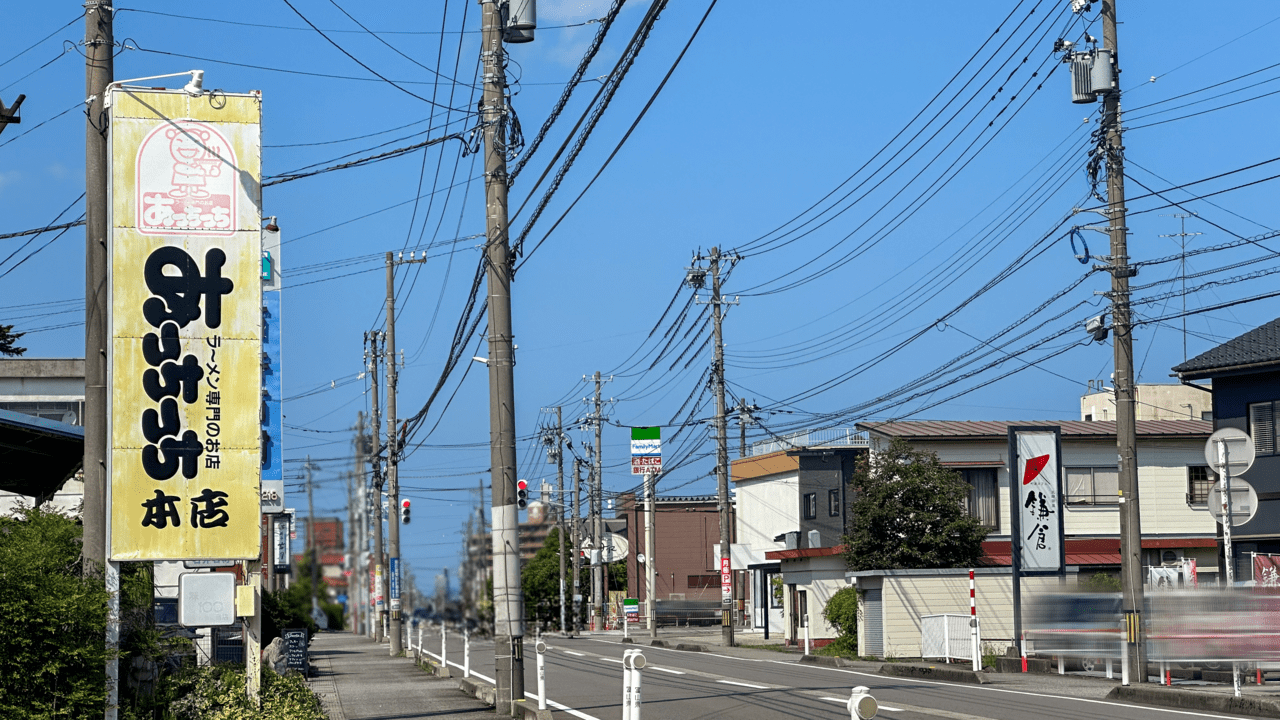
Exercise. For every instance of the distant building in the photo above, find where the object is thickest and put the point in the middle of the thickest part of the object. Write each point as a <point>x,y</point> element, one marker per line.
<point>330,546</point>
<point>51,389</point>
<point>686,536</point>
<point>1166,401</point>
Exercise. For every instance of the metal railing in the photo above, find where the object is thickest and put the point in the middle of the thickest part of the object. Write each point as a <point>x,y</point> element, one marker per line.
<point>831,437</point>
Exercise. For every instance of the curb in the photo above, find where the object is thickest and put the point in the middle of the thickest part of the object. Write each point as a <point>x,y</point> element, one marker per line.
<point>658,643</point>
<point>933,672</point>
<point>691,648</point>
<point>1196,700</point>
<point>821,660</point>
<point>485,693</point>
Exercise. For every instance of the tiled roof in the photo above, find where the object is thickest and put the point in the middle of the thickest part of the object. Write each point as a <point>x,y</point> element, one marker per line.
<point>1259,345</point>
<point>925,429</point>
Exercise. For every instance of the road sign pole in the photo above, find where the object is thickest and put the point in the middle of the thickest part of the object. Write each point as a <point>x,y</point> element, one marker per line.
<point>650,565</point>
<point>1224,453</point>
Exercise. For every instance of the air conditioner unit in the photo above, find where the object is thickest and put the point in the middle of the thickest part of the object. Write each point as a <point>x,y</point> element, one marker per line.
<point>1170,557</point>
<point>675,596</point>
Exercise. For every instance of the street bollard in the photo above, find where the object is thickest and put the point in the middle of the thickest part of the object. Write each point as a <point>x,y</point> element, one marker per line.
<point>541,647</point>
<point>637,662</point>
<point>466,653</point>
<point>444,646</point>
<point>1110,674</point>
<point>807,649</point>
<point>861,705</point>
<point>626,683</point>
<point>1062,665</point>
<point>421,627</point>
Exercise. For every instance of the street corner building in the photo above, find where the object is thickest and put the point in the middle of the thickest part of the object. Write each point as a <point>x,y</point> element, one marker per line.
<point>185,318</point>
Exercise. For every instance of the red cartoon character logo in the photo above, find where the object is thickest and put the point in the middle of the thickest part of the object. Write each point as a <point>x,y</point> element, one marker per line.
<point>186,181</point>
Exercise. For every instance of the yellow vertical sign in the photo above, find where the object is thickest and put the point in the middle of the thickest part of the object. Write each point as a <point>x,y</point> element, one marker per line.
<point>184,374</point>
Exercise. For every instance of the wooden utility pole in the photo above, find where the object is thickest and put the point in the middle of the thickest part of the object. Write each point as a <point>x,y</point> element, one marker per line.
<point>508,600</point>
<point>1126,416</point>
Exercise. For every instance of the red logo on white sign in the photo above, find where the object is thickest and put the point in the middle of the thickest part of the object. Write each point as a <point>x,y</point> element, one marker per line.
<point>186,181</point>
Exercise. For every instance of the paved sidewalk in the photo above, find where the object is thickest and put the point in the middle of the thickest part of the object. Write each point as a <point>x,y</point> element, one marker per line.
<point>357,680</point>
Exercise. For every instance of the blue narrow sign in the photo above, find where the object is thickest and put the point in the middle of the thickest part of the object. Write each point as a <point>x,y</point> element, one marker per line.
<point>395,578</point>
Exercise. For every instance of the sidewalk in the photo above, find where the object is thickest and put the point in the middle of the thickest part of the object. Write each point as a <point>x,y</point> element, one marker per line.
<point>357,680</point>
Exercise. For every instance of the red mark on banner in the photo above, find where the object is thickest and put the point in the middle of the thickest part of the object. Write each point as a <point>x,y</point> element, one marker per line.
<point>1034,466</point>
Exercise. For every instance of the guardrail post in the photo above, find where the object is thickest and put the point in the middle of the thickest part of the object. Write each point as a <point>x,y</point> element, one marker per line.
<point>1124,653</point>
<point>541,648</point>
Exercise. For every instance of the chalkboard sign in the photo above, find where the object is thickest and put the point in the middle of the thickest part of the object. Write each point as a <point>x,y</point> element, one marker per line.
<point>295,649</point>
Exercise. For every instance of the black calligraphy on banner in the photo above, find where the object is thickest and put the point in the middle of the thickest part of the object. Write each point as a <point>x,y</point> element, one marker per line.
<point>181,294</point>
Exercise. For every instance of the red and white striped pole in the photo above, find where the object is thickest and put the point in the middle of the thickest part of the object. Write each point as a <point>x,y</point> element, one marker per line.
<point>973,624</point>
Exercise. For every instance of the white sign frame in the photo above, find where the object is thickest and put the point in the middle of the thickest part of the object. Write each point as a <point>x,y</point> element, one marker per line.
<point>206,599</point>
<point>1035,451</point>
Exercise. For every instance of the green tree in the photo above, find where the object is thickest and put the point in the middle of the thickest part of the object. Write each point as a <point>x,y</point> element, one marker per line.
<point>841,613</point>
<point>908,512</point>
<point>52,651</point>
<point>7,339</point>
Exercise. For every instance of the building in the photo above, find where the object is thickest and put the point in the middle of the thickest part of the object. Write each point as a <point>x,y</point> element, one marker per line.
<point>331,547</point>
<point>686,546</point>
<point>1164,401</point>
<point>791,496</point>
<point>1245,373</point>
<point>1173,482</point>
<point>51,390</point>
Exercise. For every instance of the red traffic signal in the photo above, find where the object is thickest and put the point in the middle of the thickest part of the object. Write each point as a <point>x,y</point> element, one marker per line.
<point>522,494</point>
<point>522,485</point>
<point>404,503</point>
<point>404,511</point>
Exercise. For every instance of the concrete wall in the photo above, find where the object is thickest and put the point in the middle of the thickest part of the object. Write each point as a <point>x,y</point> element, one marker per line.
<point>767,507</point>
<point>908,596</point>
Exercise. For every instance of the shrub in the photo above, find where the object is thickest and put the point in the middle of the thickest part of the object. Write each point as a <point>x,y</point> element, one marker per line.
<point>219,692</point>
<point>1101,583</point>
<point>841,612</point>
<point>53,648</point>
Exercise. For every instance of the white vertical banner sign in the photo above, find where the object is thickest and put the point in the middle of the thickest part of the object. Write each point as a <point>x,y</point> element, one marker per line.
<point>1039,502</point>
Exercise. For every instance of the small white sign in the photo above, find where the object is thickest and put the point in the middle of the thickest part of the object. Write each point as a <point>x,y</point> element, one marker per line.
<point>272,497</point>
<point>206,599</point>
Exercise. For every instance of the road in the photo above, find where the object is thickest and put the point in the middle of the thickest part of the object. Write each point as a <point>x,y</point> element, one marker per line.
<point>584,680</point>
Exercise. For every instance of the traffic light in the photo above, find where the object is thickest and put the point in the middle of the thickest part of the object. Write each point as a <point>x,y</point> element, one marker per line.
<point>522,494</point>
<point>404,511</point>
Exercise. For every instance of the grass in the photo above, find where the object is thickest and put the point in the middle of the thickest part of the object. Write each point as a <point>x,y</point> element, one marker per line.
<point>775,648</point>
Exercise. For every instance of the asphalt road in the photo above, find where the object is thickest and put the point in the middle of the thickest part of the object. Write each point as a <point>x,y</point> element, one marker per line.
<point>584,680</point>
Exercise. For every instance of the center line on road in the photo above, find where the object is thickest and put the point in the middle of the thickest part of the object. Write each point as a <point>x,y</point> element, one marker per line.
<point>576,653</point>
<point>846,702</point>
<point>742,684</point>
<point>611,659</point>
<point>668,670</point>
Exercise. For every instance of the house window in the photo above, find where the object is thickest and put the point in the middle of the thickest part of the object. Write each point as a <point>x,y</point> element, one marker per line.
<point>984,495</point>
<point>1199,479</point>
<point>1206,415</point>
<point>833,503</point>
<point>810,506</point>
<point>1262,426</point>
<point>775,591</point>
<point>1093,486</point>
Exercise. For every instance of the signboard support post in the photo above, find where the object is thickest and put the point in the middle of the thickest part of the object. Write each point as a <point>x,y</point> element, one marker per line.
<point>650,564</point>
<point>1225,453</point>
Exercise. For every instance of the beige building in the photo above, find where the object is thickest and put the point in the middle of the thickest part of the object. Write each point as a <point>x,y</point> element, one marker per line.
<point>1155,402</point>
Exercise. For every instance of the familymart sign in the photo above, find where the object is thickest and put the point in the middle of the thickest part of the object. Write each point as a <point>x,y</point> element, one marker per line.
<point>646,450</point>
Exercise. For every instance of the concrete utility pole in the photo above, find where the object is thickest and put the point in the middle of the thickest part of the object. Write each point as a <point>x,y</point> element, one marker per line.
<point>393,457</point>
<point>376,461</point>
<point>508,599</point>
<point>358,585</point>
<point>1126,424</point>
<point>722,448</point>
<point>597,510</point>
<point>577,543</point>
<point>99,71</point>
<point>559,451</point>
<point>311,535</point>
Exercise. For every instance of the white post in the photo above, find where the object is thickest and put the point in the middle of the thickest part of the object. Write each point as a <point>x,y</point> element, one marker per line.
<point>1062,665</point>
<point>1124,654</point>
<point>626,624</point>
<point>626,683</point>
<point>807,649</point>
<point>637,662</point>
<point>977,639</point>
<point>542,676</point>
<point>973,625</point>
<point>444,647</point>
<point>1110,674</point>
<point>1225,456</point>
<point>466,653</point>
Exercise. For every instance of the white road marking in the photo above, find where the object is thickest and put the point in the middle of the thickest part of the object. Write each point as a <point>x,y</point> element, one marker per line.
<point>846,702</point>
<point>611,660</point>
<point>742,684</point>
<point>552,703</point>
<point>667,670</point>
<point>576,653</point>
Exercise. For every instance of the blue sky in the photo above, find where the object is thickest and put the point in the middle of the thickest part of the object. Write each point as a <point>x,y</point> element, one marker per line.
<point>770,110</point>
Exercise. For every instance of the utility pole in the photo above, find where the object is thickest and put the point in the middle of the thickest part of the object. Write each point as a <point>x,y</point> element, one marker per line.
<point>597,511</point>
<point>358,586</point>
<point>1126,426</point>
<point>99,70</point>
<point>393,455</point>
<point>508,599</point>
<point>714,259</point>
<point>376,461</point>
<point>559,453</point>
<point>745,418</point>
<point>577,543</point>
<point>1182,272</point>
<point>311,536</point>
